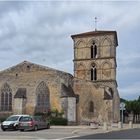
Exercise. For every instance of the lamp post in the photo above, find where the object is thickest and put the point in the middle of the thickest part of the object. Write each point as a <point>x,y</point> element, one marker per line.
<point>122,108</point>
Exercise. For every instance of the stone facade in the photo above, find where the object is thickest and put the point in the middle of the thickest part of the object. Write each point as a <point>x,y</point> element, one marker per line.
<point>90,95</point>
<point>33,78</point>
<point>95,74</point>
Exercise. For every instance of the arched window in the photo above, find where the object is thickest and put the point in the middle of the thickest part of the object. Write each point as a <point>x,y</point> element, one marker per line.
<point>43,98</point>
<point>10,101</point>
<point>2,101</point>
<point>38,100</point>
<point>91,106</point>
<point>93,50</point>
<point>93,73</point>
<point>6,98</point>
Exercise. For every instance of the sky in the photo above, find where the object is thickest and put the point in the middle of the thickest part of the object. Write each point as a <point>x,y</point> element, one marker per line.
<point>39,32</point>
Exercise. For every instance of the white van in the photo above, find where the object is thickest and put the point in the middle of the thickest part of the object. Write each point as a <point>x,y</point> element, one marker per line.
<point>11,122</point>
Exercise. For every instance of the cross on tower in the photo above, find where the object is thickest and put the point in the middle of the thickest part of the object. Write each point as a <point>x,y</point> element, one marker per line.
<point>95,23</point>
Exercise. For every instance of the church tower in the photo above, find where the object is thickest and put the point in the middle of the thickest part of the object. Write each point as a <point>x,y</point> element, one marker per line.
<point>95,56</point>
<point>95,61</point>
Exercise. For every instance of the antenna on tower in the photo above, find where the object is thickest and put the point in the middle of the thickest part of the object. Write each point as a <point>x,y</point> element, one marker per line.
<point>95,23</point>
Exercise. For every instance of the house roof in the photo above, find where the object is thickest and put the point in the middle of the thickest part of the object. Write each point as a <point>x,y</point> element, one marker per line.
<point>21,93</point>
<point>96,33</point>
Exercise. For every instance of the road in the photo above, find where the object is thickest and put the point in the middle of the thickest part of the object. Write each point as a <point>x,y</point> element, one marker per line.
<point>52,133</point>
<point>61,133</point>
<point>123,134</point>
<point>34,135</point>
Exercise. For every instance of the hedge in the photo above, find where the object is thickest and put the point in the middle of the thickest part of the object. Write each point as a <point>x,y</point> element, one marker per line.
<point>58,121</point>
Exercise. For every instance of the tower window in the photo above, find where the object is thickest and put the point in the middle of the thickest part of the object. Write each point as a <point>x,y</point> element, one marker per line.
<point>93,73</point>
<point>93,50</point>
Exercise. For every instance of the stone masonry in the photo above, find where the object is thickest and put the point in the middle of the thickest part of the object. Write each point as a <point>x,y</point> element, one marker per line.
<point>90,95</point>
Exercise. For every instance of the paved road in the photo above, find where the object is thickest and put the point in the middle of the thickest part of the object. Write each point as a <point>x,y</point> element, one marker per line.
<point>124,134</point>
<point>53,133</point>
<point>70,132</point>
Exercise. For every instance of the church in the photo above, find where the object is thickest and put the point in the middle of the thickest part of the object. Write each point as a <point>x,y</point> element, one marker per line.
<point>89,95</point>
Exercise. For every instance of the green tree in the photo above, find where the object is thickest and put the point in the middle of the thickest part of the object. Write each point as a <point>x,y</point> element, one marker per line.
<point>133,106</point>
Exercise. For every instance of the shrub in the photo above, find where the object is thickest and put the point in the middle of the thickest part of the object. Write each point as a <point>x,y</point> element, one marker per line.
<point>39,114</point>
<point>58,121</point>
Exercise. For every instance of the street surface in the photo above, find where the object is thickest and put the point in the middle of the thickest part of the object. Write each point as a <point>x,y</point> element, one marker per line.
<point>73,132</point>
<point>36,135</point>
<point>52,133</point>
<point>123,134</point>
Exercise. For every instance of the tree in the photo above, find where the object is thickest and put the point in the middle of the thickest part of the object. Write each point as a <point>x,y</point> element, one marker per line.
<point>133,106</point>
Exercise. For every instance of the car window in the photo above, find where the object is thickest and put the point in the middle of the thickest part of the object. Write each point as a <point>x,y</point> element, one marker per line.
<point>37,118</point>
<point>12,118</point>
<point>26,119</point>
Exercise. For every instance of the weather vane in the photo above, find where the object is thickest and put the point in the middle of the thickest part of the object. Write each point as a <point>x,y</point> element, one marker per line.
<point>95,23</point>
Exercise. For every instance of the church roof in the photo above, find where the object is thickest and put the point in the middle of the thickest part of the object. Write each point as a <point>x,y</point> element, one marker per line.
<point>26,65</point>
<point>21,93</point>
<point>96,33</point>
<point>67,91</point>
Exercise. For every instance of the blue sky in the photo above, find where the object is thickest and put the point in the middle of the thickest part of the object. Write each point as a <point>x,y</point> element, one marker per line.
<point>39,31</point>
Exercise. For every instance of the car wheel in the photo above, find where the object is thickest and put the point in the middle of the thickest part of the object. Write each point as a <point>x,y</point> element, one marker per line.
<point>3,129</point>
<point>16,127</point>
<point>22,130</point>
<point>35,128</point>
<point>48,126</point>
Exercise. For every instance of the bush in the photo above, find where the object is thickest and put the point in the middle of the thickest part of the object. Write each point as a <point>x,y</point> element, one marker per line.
<point>39,114</point>
<point>58,121</point>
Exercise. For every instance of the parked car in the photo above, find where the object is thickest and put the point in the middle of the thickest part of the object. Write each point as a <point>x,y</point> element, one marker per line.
<point>11,122</point>
<point>33,123</point>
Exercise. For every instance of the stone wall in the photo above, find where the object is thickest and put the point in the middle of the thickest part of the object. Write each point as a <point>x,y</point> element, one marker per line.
<point>87,92</point>
<point>105,60</point>
<point>28,75</point>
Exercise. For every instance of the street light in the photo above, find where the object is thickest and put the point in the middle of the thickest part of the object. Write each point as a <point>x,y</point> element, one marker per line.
<point>122,108</point>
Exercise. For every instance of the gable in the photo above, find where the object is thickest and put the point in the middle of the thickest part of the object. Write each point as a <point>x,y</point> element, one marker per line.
<point>26,67</point>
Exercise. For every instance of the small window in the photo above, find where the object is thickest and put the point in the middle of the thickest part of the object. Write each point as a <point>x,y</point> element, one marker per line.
<point>93,73</point>
<point>91,107</point>
<point>93,50</point>
<point>28,66</point>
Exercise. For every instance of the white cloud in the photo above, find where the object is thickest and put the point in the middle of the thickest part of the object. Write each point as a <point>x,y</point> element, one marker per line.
<point>40,32</point>
<point>131,92</point>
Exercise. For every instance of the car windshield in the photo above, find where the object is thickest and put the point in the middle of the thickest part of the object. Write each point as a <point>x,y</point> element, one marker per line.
<point>26,119</point>
<point>12,118</point>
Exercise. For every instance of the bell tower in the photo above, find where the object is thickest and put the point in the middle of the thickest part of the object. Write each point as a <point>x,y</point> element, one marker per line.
<point>95,56</point>
<point>95,61</point>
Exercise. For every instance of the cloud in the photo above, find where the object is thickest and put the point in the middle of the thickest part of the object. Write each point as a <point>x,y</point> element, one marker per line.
<point>131,92</point>
<point>40,32</point>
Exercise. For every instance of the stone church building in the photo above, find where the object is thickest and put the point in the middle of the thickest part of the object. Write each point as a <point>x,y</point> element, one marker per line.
<point>89,95</point>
